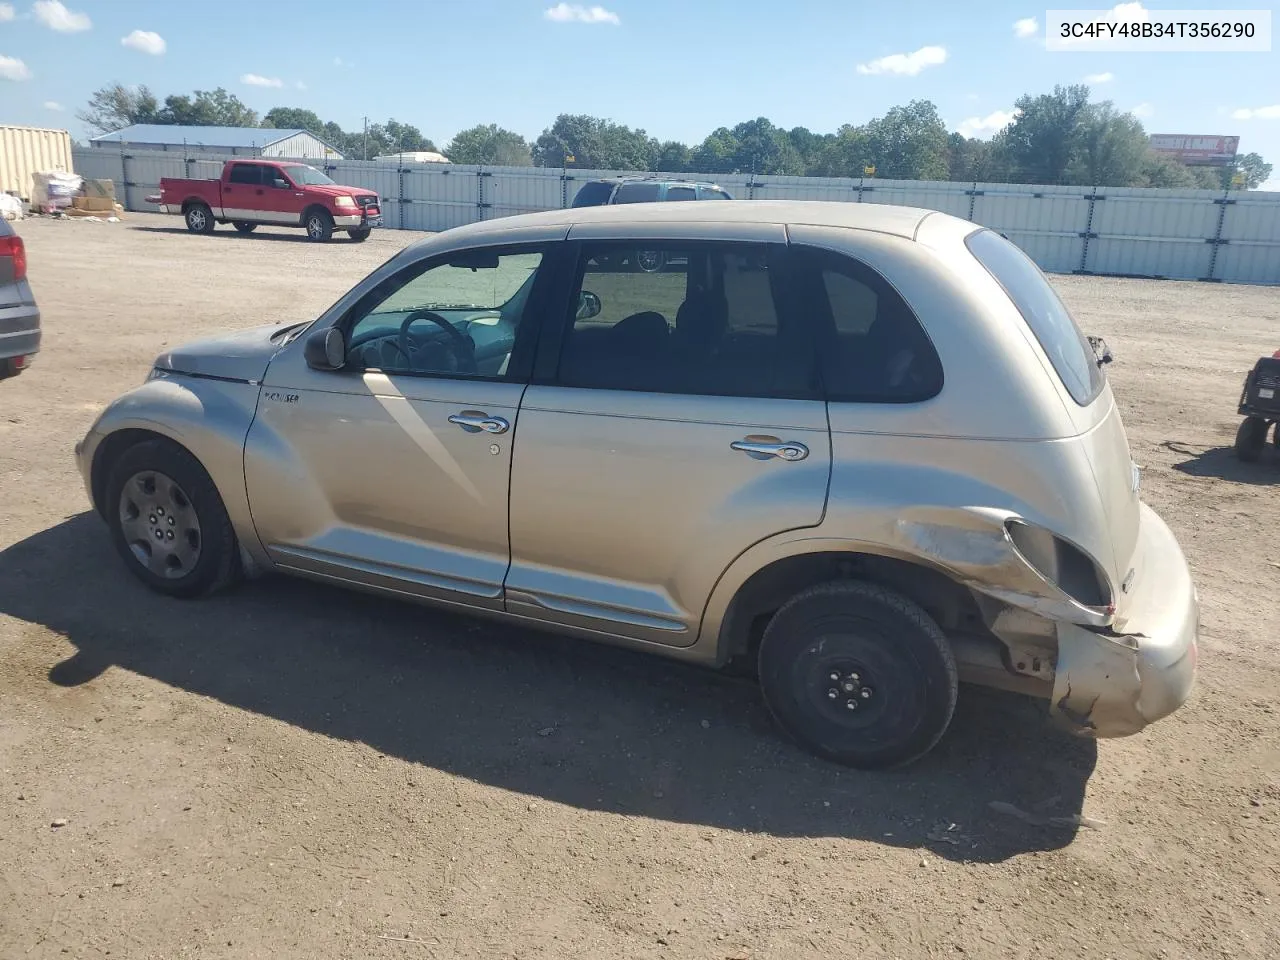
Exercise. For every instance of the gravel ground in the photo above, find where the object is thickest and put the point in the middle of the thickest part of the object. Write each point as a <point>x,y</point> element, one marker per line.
<point>289,771</point>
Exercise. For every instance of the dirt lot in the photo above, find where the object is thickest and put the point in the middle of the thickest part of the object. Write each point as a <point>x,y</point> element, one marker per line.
<point>286,771</point>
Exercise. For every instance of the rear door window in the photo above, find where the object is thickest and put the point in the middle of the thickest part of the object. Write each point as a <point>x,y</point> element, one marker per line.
<point>638,193</point>
<point>680,193</point>
<point>712,193</point>
<point>249,173</point>
<point>1047,316</point>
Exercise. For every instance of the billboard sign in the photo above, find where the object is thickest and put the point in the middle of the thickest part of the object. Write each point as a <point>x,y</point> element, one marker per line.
<point>1196,151</point>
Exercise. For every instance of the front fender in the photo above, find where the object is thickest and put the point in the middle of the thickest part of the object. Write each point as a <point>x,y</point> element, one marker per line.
<point>210,418</point>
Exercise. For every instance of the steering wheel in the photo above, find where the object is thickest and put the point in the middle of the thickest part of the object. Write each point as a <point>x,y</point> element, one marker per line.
<point>463,347</point>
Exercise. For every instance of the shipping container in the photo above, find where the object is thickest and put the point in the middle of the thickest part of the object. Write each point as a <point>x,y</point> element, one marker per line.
<point>28,150</point>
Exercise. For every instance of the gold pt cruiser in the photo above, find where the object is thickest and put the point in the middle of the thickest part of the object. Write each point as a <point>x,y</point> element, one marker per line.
<point>863,447</point>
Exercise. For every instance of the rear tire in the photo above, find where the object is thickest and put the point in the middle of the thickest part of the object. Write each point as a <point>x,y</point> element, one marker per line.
<point>1275,437</point>
<point>359,234</point>
<point>1250,439</point>
<point>156,488</point>
<point>245,227</point>
<point>858,674</point>
<point>319,226</point>
<point>199,218</point>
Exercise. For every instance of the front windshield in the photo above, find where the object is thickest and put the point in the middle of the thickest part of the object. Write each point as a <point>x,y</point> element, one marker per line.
<point>308,176</point>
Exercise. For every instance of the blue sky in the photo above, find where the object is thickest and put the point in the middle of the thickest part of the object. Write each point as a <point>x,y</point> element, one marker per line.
<point>677,69</point>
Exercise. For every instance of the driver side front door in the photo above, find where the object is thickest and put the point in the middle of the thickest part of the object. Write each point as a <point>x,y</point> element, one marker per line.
<point>393,472</point>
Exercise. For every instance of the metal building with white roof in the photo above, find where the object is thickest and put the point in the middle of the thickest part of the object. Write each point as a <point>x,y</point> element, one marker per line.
<point>237,141</point>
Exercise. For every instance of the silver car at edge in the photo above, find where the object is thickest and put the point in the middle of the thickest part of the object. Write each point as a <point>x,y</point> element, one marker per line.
<point>19,315</point>
<point>863,447</point>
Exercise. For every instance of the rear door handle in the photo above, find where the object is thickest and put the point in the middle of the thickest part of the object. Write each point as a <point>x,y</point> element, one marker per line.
<point>764,449</point>
<point>475,422</point>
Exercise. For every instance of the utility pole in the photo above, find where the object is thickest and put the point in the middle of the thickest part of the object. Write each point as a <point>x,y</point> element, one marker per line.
<point>364,151</point>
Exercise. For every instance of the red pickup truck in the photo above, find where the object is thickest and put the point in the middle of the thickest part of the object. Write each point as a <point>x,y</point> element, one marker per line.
<point>280,193</point>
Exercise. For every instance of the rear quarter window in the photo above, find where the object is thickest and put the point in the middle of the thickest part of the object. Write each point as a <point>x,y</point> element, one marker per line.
<point>1044,312</point>
<point>593,194</point>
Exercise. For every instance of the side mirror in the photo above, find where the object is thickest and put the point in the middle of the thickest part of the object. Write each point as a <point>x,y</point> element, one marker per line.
<point>326,349</point>
<point>588,306</point>
<point>1101,352</point>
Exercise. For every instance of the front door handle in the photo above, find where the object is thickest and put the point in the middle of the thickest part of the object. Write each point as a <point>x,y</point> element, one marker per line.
<point>763,448</point>
<point>473,421</point>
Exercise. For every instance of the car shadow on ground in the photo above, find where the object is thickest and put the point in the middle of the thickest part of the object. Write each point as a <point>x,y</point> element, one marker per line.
<point>1223,464</point>
<point>575,723</point>
<point>285,234</point>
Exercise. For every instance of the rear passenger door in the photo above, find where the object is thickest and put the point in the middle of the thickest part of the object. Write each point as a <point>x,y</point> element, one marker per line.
<point>663,435</point>
<point>242,193</point>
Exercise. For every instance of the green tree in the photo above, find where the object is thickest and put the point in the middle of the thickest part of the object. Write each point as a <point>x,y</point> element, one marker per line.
<point>971,160</point>
<point>294,118</point>
<point>908,143</point>
<point>1254,169</point>
<point>207,108</point>
<point>594,144</point>
<point>1110,148</point>
<point>673,157</point>
<point>489,144</point>
<point>116,106</point>
<point>1042,141</point>
<point>845,154</point>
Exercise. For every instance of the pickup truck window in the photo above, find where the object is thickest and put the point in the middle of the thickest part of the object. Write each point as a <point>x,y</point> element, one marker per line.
<point>245,173</point>
<point>305,176</point>
<point>273,177</point>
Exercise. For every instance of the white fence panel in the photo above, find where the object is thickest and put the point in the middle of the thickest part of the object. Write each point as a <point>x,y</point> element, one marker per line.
<point>513,190</point>
<point>1182,234</point>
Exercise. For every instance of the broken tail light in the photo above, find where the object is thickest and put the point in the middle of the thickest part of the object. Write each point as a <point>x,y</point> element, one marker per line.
<point>1063,564</point>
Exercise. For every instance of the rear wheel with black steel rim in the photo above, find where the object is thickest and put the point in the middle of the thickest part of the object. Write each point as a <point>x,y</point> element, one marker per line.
<point>359,234</point>
<point>168,521</point>
<point>1251,437</point>
<point>1275,437</point>
<point>244,226</point>
<point>858,674</point>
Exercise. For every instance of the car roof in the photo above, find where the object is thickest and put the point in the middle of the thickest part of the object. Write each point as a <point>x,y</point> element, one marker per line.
<point>878,217</point>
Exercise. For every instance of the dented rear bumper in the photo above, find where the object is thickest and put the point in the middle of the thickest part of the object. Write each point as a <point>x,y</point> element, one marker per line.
<point>1116,682</point>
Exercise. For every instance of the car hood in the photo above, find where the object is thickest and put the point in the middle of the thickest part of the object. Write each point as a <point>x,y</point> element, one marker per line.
<point>239,356</point>
<point>340,191</point>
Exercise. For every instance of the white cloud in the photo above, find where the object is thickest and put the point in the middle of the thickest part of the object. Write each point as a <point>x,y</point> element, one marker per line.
<point>146,41</point>
<point>1143,110</point>
<point>11,68</point>
<point>906,64</point>
<point>1259,113</point>
<point>299,84</point>
<point>254,80</point>
<point>6,12</point>
<point>577,13</point>
<point>1026,27</point>
<point>993,122</point>
<point>57,17</point>
<point>972,96</point>
<point>54,105</point>
<point>339,62</point>
<point>1099,77</point>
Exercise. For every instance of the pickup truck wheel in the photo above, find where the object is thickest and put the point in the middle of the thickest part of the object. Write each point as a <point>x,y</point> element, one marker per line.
<point>359,234</point>
<point>245,227</point>
<point>858,674</point>
<point>319,226</point>
<point>168,521</point>
<point>199,218</point>
<point>1250,438</point>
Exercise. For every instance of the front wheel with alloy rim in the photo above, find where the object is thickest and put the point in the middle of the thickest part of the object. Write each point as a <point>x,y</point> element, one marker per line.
<point>168,522</point>
<point>858,674</point>
<point>199,218</point>
<point>319,226</point>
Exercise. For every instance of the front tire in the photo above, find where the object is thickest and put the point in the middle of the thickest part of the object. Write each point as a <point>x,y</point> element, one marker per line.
<point>319,226</point>
<point>199,218</point>
<point>168,521</point>
<point>858,674</point>
<point>1250,439</point>
<point>359,234</point>
<point>243,226</point>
